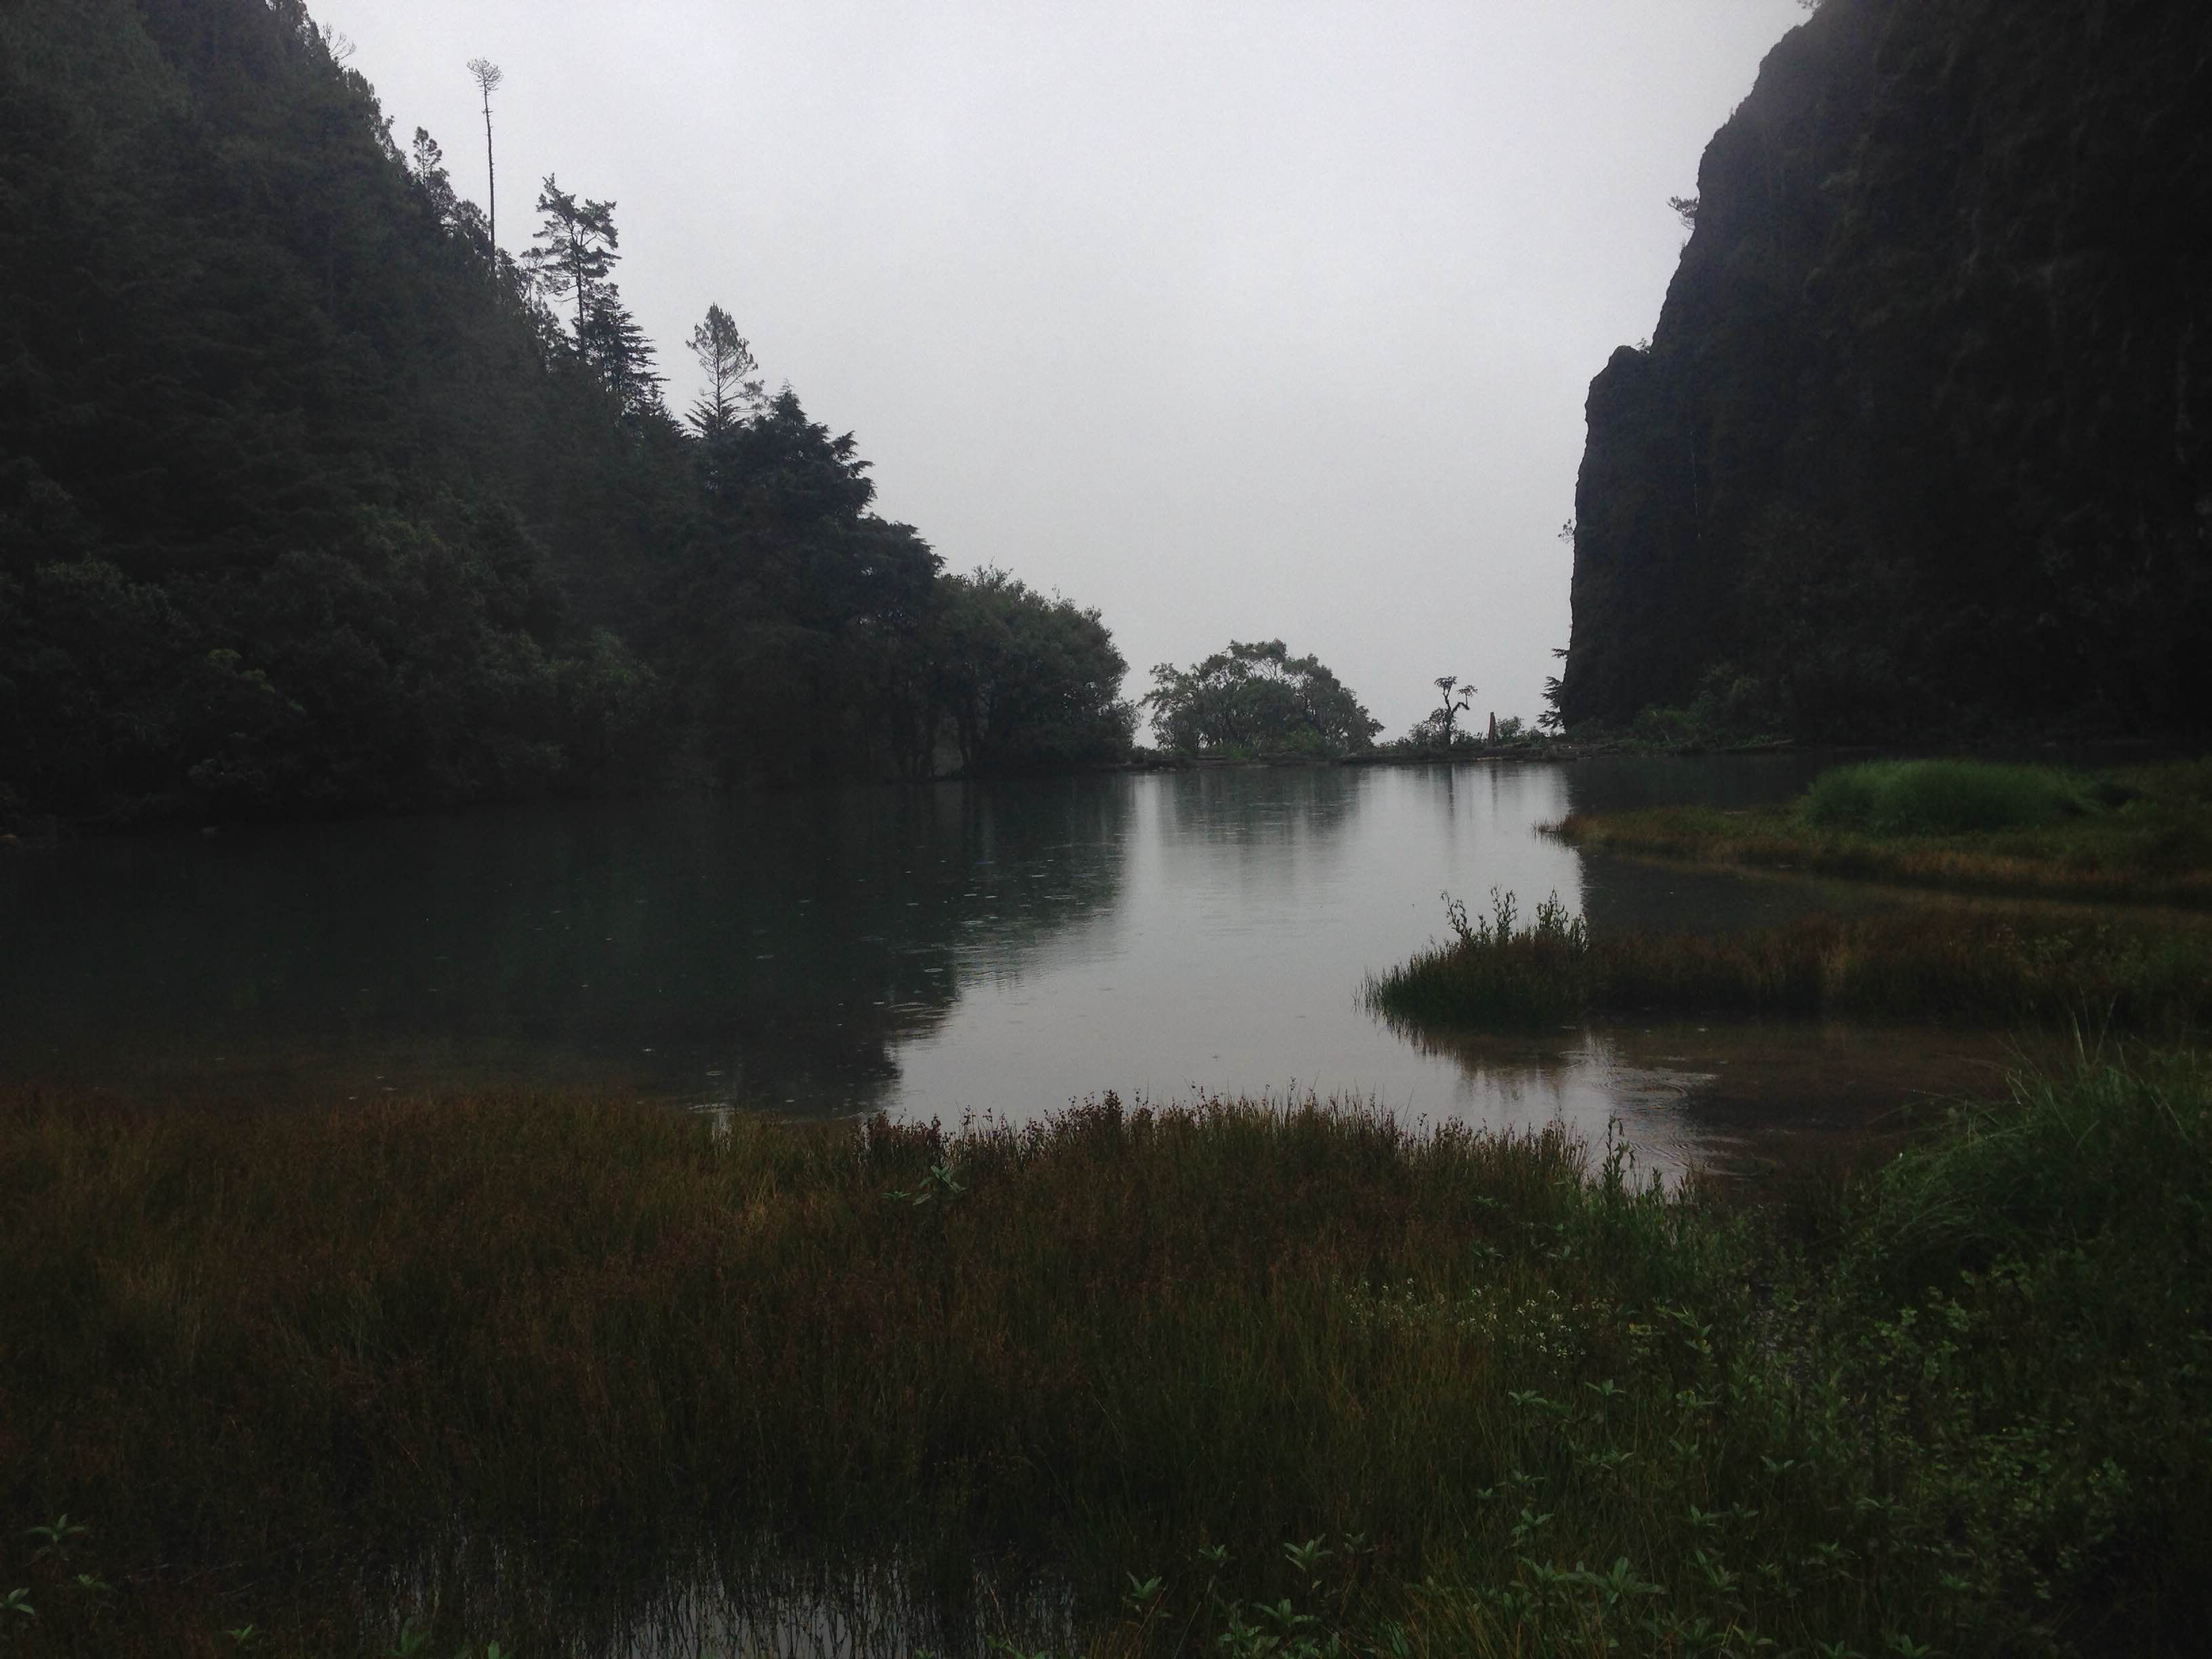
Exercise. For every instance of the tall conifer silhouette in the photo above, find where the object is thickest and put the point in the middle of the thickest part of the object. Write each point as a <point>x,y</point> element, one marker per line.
<point>488,76</point>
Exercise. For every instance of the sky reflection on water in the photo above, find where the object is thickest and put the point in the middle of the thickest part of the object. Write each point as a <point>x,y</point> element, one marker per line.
<point>999,949</point>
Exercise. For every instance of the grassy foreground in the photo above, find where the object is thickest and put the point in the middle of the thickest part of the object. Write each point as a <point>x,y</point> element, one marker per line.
<point>1250,1381</point>
<point>2141,835</point>
<point>1935,964</point>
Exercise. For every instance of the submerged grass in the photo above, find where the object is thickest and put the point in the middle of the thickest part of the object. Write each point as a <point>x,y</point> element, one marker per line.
<point>1952,965</point>
<point>1252,1380</point>
<point>2143,834</point>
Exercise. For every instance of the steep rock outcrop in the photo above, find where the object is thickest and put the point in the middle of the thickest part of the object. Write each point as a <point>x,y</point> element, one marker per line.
<point>1924,433</point>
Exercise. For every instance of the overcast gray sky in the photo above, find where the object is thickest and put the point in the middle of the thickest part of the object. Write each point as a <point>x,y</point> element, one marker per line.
<point>1247,320</point>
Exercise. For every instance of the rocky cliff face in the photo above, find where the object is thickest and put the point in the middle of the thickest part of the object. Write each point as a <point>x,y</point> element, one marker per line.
<point>1923,436</point>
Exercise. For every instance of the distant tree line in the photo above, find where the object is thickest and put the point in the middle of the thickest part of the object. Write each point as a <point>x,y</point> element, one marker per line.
<point>313,499</point>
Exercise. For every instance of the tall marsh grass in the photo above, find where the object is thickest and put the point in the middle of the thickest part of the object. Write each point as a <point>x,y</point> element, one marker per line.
<point>1248,1380</point>
<point>1944,797</point>
<point>1934,964</point>
<point>1112,1340</point>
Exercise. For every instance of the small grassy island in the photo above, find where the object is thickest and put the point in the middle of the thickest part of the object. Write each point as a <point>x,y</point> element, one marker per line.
<point>1969,827</point>
<point>1937,965</point>
<point>2141,835</point>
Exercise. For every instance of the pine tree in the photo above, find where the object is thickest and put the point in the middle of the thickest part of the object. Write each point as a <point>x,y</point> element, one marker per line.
<point>488,75</point>
<point>618,350</point>
<point>426,161</point>
<point>576,249</point>
<point>727,358</point>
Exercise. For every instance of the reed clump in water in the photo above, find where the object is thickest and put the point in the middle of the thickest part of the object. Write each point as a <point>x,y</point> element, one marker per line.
<point>1930,964</point>
<point>1241,1373</point>
<point>2143,834</point>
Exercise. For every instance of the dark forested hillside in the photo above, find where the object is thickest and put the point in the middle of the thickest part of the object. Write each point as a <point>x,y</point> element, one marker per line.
<point>308,501</point>
<point>1923,436</point>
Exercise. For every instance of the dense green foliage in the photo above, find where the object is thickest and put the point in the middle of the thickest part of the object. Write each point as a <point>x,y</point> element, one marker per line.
<point>1962,966</point>
<point>1924,430</point>
<point>1944,797</point>
<point>1239,1373</point>
<point>2143,833</point>
<point>1257,699</point>
<point>1028,681</point>
<point>310,500</point>
<point>1730,708</point>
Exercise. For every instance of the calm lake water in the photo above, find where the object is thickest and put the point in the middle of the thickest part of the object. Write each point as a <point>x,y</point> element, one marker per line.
<point>1000,948</point>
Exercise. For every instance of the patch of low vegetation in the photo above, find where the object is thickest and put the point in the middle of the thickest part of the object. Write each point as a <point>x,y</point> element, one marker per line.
<point>1945,797</point>
<point>1731,709</point>
<point>2141,835</point>
<point>1934,965</point>
<point>1249,1380</point>
<point>1512,738</point>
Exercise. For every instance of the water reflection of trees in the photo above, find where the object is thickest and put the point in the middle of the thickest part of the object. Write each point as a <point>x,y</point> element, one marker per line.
<point>1260,806</point>
<point>777,948</point>
<point>1592,1081</point>
<point>1531,1073</point>
<point>1616,783</point>
<point>1622,895</point>
<point>1627,895</point>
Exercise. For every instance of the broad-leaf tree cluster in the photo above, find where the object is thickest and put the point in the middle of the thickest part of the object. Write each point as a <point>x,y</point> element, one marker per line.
<point>1028,681</point>
<point>1257,699</point>
<point>311,498</point>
